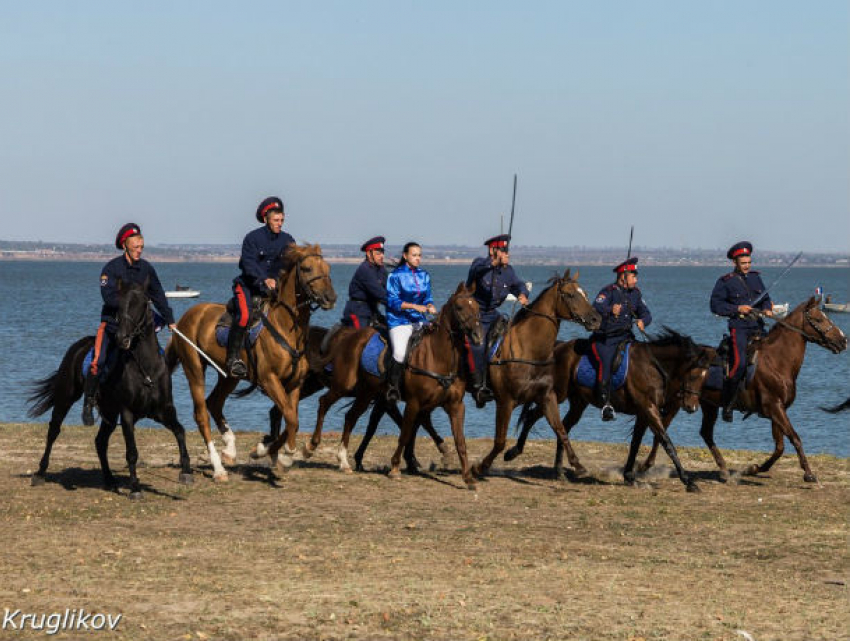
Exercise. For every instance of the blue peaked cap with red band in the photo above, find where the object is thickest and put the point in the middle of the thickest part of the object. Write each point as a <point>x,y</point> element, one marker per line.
<point>270,204</point>
<point>502,240</point>
<point>628,265</point>
<point>127,231</point>
<point>373,243</point>
<point>743,248</point>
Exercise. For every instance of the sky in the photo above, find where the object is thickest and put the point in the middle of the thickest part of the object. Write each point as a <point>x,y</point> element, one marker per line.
<point>700,123</point>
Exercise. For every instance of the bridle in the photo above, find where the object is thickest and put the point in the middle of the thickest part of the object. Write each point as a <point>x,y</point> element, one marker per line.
<point>820,339</point>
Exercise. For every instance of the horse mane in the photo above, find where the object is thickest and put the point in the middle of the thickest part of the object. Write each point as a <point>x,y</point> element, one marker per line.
<point>774,332</point>
<point>523,311</point>
<point>669,337</point>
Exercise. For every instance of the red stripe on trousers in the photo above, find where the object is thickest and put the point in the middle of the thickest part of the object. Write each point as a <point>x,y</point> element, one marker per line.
<point>98,344</point>
<point>354,321</point>
<point>470,361</point>
<point>737,360</point>
<point>243,306</point>
<point>599,361</point>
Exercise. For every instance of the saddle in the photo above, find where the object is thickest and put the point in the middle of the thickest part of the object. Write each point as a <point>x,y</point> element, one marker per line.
<point>225,322</point>
<point>496,335</point>
<point>719,369</point>
<point>586,372</point>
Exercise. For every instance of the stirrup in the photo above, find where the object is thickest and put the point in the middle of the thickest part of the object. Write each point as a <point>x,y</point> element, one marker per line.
<point>88,412</point>
<point>482,396</point>
<point>237,369</point>
<point>608,413</point>
<point>728,414</point>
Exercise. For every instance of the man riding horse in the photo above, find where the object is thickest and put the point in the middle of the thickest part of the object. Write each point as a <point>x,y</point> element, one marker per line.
<point>368,287</point>
<point>494,279</point>
<point>740,296</point>
<point>261,261</point>
<point>619,304</point>
<point>130,267</point>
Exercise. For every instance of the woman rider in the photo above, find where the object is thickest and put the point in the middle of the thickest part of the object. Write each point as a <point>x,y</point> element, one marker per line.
<point>408,300</point>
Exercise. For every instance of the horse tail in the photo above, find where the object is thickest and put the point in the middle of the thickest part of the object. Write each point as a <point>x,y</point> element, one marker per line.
<point>172,360</point>
<point>524,418</point>
<point>838,408</point>
<point>45,392</point>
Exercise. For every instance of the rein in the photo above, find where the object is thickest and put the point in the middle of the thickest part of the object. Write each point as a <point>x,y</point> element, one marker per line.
<point>445,380</point>
<point>806,336</point>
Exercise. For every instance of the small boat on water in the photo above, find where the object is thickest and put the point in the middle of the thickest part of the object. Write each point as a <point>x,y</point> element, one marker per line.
<point>780,310</point>
<point>837,307</point>
<point>182,291</point>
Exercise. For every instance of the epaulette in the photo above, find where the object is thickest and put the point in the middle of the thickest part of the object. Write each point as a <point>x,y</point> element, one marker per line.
<point>753,271</point>
<point>727,276</point>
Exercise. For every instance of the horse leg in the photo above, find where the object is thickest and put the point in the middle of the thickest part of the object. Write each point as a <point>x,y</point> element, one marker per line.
<point>409,449</point>
<point>503,419</point>
<point>657,427</point>
<point>411,411</point>
<point>361,404</point>
<point>653,452</point>
<point>637,436</point>
<point>215,406</point>
<point>446,453</point>
<point>275,419</point>
<point>101,443</point>
<point>531,413</point>
<point>456,412</point>
<point>128,425</point>
<point>326,400</point>
<point>288,405</point>
<point>60,411</point>
<point>571,418</point>
<point>170,421</point>
<point>378,412</point>
<point>706,430</point>
<point>782,427</point>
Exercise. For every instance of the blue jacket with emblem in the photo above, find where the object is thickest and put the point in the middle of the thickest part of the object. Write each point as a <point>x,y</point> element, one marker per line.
<point>632,307</point>
<point>140,271</point>
<point>262,258</point>
<point>367,290</point>
<point>407,285</point>
<point>492,285</point>
<point>734,289</point>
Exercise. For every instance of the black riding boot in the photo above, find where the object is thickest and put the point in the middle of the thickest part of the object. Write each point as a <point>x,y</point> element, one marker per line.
<point>480,391</point>
<point>605,400</point>
<point>234,365</point>
<point>728,397</point>
<point>90,398</point>
<point>393,379</point>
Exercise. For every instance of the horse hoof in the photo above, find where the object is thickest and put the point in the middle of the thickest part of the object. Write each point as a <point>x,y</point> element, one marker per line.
<point>346,470</point>
<point>752,470</point>
<point>135,496</point>
<point>511,454</point>
<point>394,474</point>
<point>580,471</point>
<point>187,478</point>
<point>471,485</point>
<point>693,488</point>
<point>724,476</point>
<point>259,451</point>
<point>306,452</point>
<point>560,476</point>
<point>221,478</point>
<point>227,459</point>
<point>36,480</point>
<point>629,480</point>
<point>284,462</point>
<point>358,466</point>
<point>810,478</point>
<point>477,470</point>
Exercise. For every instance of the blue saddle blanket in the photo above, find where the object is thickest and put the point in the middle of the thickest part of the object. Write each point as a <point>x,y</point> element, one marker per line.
<point>370,359</point>
<point>714,380</point>
<point>110,360</point>
<point>494,348</point>
<point>223,331</point>
<point>586,373</point>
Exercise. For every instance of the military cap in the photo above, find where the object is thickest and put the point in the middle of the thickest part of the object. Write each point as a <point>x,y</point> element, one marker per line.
<point>739,249</point>
<point>501,240</point>
<point>270,204</point>
<point>373,243</point>
<point>628,265</point>
<point>127,231</point>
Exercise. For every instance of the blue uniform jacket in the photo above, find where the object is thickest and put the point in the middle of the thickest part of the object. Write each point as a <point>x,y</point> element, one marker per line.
<point>367,290</point>
<point>492,285</point>
<point>406,285</point>
<point>262,258</point>
<point>633,307</point>
<point>734,289</point>
<point>119,269</point>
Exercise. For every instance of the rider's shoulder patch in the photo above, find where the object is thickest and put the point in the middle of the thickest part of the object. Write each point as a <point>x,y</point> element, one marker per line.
<point>727,276</point>
<point>601,297</point>
<point>104,279</point>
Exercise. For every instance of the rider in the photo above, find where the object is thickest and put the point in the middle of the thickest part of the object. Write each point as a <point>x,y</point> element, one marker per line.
<point>619,304</point>
<point>260,262</point>
<point>130,267</point>
<point>494,279</point>
<point>368,287</point>
<point>408,300</point>
<point>735,296</point>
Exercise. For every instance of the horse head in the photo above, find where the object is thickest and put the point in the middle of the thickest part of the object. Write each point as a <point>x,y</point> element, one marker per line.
<point>312,276</point>
<point>817,327</point>
<point>572,303</point>
<point>694,378</point>
<point>464,312</point>
<point>134,315</point>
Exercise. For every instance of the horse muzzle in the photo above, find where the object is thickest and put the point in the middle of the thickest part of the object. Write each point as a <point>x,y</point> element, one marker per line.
<point>592,323</point>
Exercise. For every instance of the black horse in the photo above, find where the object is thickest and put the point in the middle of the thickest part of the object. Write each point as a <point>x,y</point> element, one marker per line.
<point>137,386</point>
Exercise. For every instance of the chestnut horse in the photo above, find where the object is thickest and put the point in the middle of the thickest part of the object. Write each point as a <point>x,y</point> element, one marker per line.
<point>664,374</point>
<point>774,385</point>
<point>523,370</point>
<point>278,365</point>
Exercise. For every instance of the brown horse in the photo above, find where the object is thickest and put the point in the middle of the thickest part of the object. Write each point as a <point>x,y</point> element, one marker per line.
<point>278,365</point>
<point>523,371</point>
<point>774,385</point>
<point>665,374</point>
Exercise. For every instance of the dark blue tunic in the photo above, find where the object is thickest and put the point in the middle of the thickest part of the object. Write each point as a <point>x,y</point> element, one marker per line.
<point>367,290</point>
<point>140,271</point>
<point>615,329</point>
<point>262,258</point>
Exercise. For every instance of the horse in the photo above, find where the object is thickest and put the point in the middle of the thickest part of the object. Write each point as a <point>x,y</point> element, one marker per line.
<point>774,385</point>
<point>664,374</point>
<point>138,386</point>
<point>277,364</point>
<point>523,370</point>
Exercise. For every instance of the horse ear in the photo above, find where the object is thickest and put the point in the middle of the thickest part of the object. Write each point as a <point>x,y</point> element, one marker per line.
<point>813,301</point>
<point>575,276</point>
<point>567,274</point>
<point>460,287</point>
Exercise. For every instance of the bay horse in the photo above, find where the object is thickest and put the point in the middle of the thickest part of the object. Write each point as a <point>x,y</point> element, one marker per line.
<point>138,385</point>
<point>664,374</point>
<point>774,385</point>
<point>523,370</point>
<point>278,365</point>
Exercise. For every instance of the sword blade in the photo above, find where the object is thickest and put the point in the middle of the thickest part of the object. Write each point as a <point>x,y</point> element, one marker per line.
<point>199,350</point>
<point>778,278</point>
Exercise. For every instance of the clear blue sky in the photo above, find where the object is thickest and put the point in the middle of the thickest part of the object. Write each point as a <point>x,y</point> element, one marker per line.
<point>701,123</point>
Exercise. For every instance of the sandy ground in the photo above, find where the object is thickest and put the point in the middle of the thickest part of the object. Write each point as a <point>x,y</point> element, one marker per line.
<point>318,554</point>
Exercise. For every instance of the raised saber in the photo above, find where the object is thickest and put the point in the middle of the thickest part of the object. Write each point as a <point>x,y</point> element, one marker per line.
<point>631,236</point>
<point>778,278</point>
<point>513,205</point>
<point>199,350</point>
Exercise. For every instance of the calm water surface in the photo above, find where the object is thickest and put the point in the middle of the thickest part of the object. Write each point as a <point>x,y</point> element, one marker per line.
<point>50,305</point>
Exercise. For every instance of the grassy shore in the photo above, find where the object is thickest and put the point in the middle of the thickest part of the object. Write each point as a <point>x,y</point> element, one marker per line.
<point>319,554</point>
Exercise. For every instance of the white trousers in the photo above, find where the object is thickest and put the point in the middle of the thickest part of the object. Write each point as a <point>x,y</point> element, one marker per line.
<point>399,337</point>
